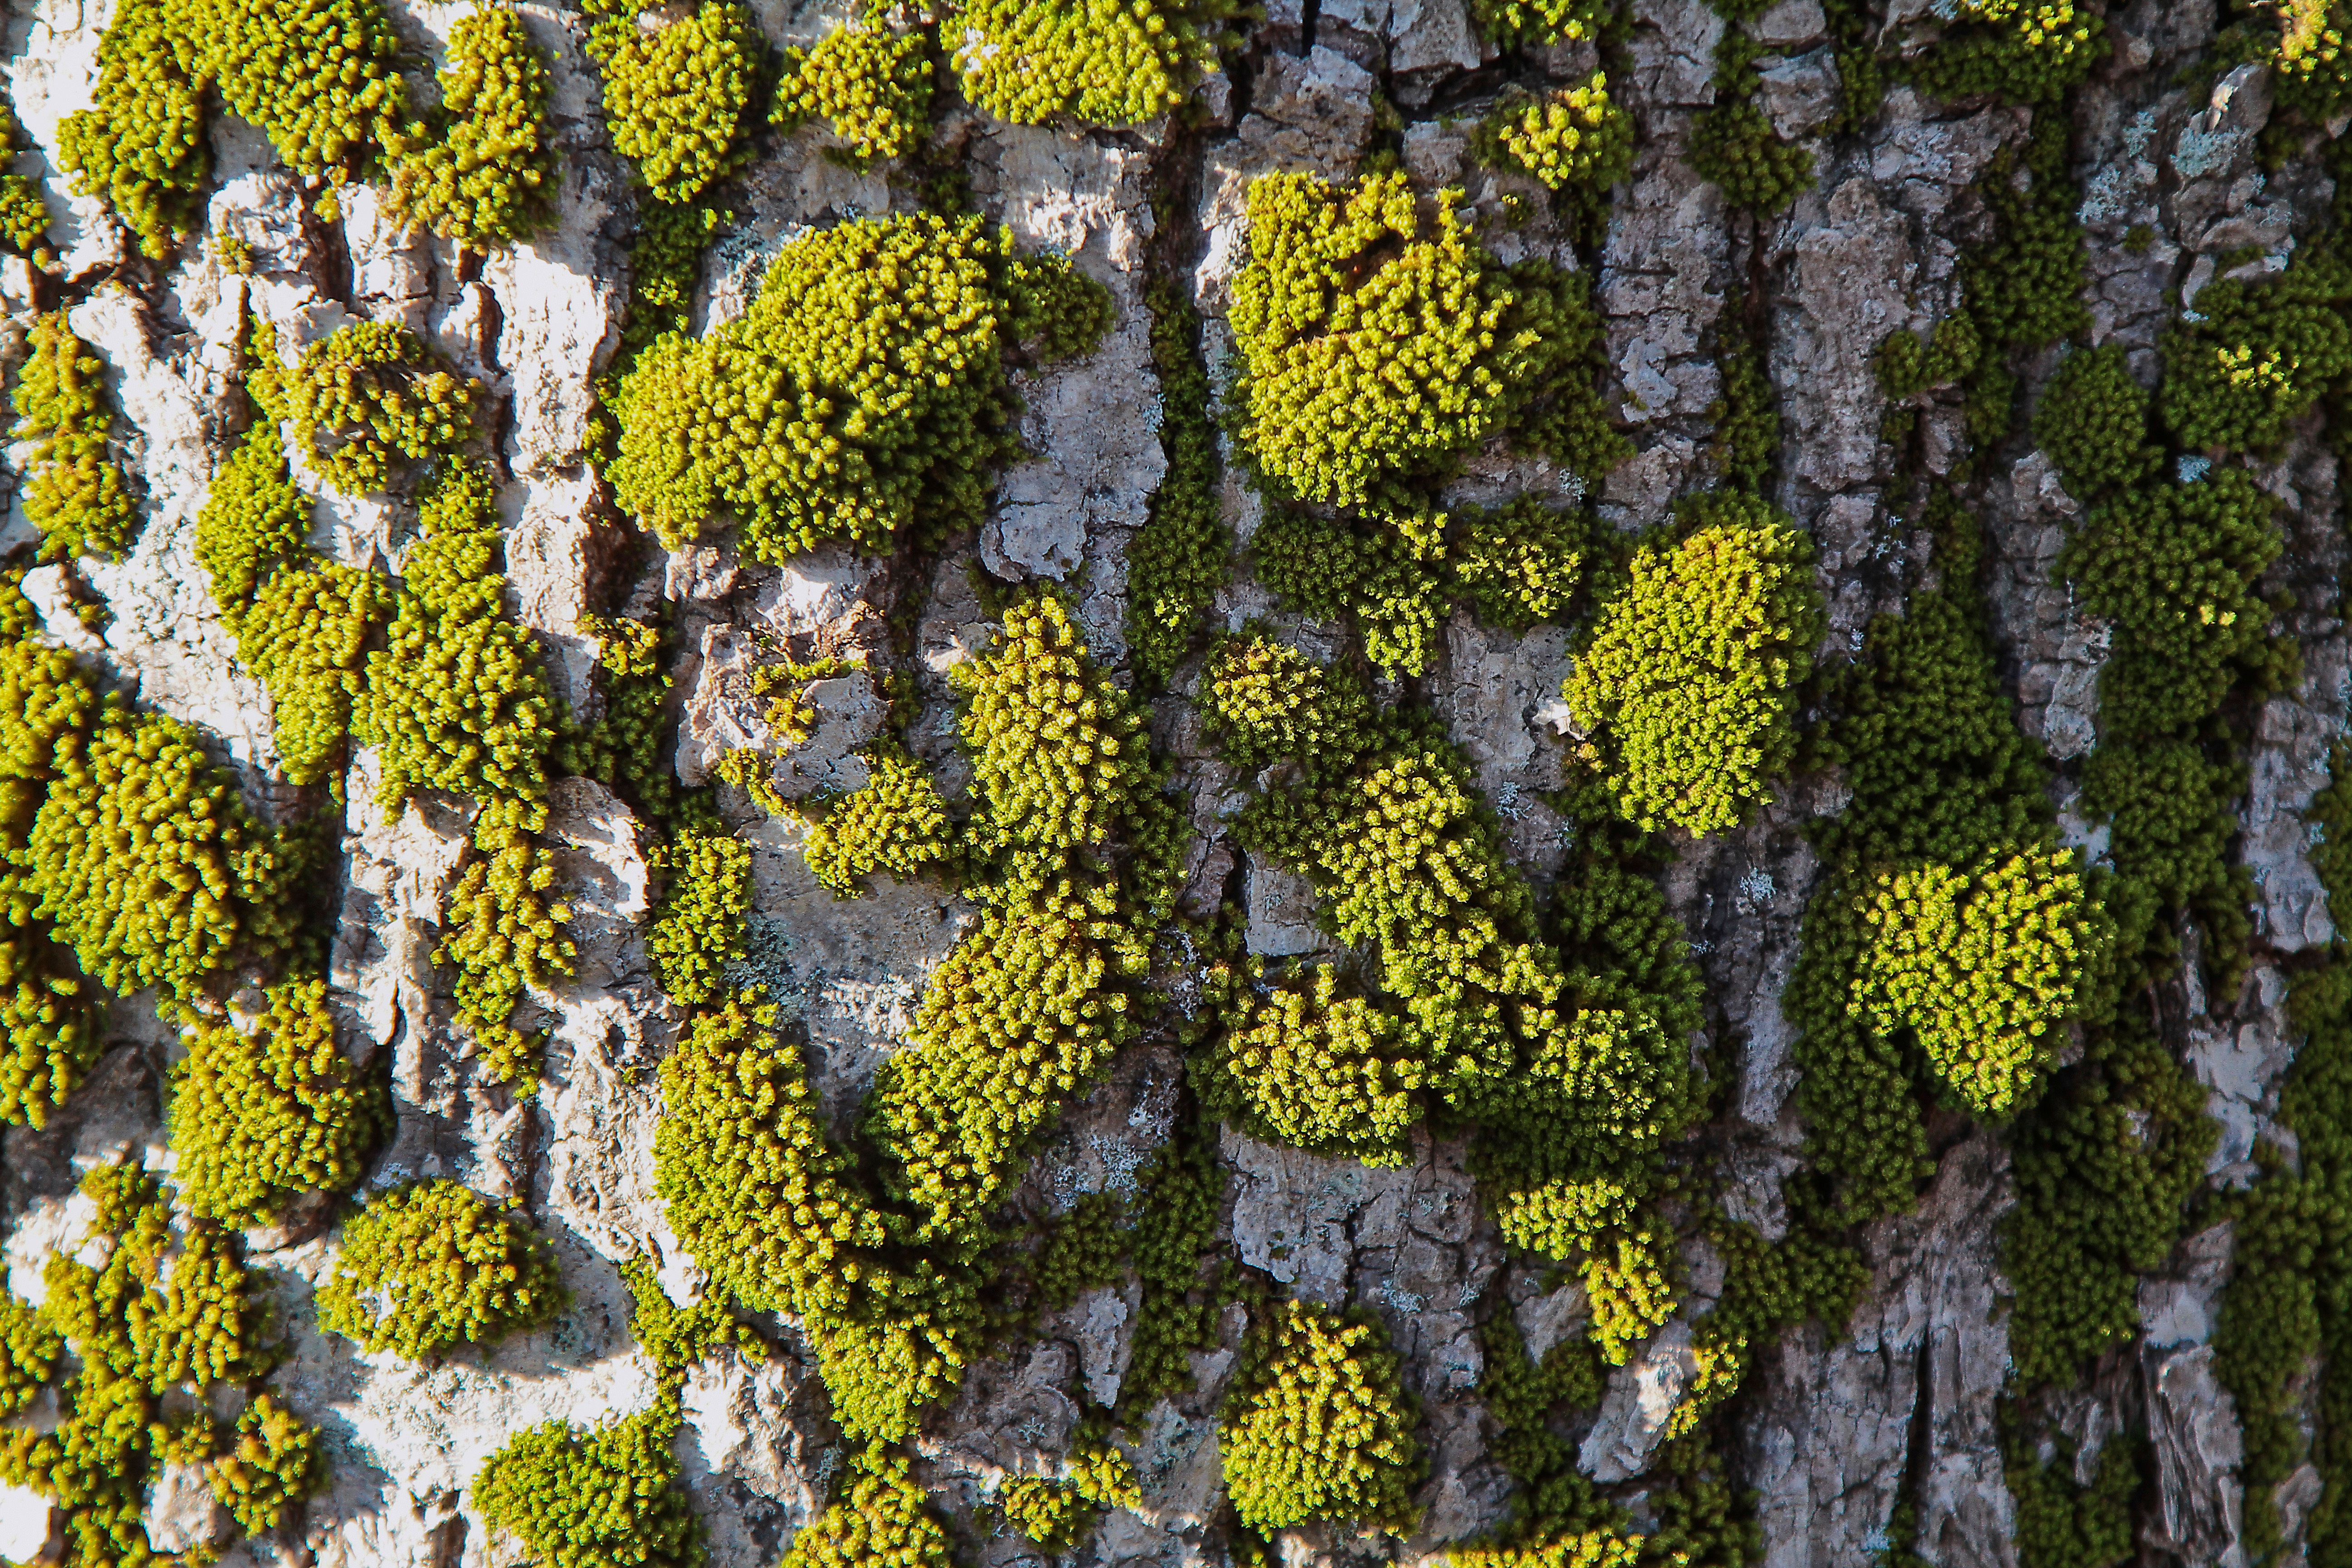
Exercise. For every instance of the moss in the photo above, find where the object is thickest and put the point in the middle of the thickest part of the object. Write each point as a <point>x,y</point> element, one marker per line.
<point>1689,680</point>
<point>1521,564</point>
<point>2311,68</point>
<point>55,1032</point>
<point>1747,420</point>
<point>306,636</point>
<point>1473,348</point>
<point>1082,1250</point>
<point>258,1119</point>
<point>1109,62</point>
<point>609,1496</point>
<point>1330,1073</point>
<point>698,929</point>
<point>1390,584</point>
<point>504,935</point>
<point>74,490</point>
<point>1572,136</point>
<point>207,1326</point>
<point>2024,288</point>
<point>896,821</point>
<point>1510,24</point>
<point>136,852</point>
<point>1318,1427</point>
<point>429,1266</point>
<point>480,172</point>
<point>277,1463</point>
<point>1058,1512</point>
<point>1181,557</point>
<point>1733,143</point>
<point>1907,367</point>
<point>2254,357</point>
<point>1267,700</point>
<point>371,389</point>
<point>1983,966</point>
<point>676,1337</point>
<point>2026,51</point>
<point>2093,421</point>
<point>2063,1525</point>
<point>624,748</point>
<point>679,99</point>
<point>457,701</point>
<point>319,77</point>
<point>870,84</point>
<point>30,1348</point>
<point>253,518</point>
<point>141,146</point>
<point>874,358</point>
<point>24,219</point>
<point>1175,1226</point>
<point>886,1519</point>
<point>2177,569</point>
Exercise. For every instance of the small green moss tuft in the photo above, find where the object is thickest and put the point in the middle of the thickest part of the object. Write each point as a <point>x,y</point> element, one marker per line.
<point>871,84</point>
<point>698,929</point>
<point>1107,62</point>
<point>1317,1426</point>
<point>896,821</point>
<point>679,99</point>
<point>427,1267</point>
<point>1573,136</point>
<point>609,1496</point>
<point>884,1520</point>
<point>74,490</point>
<point>480,172</point>
<point>371,390</point>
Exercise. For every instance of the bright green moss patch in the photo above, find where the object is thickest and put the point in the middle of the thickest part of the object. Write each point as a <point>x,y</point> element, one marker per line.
<point>1689,680</point>
<point>1317,1426</point>
<point>480,172</point>
<point>430,1265</point>
<point>1733,143</point>
<point>676,1337</point>
<point>679,99</point>
<point>624,748</point>
<point>319,77</point>
<point>371,391</point>
<point>609,1496</point>
<point>1573,136</point>
<point>2311,68</point>
<point>698,929</point>
<point>1330,1073</point>
<point>306,636</point>
<point>896,822</point>
<point>2027,51</point>
<point>1267,700</point>
<point>870,84</point>
<point>253,518</point>
<point>1372,350</point>
<point>277,1463</point>
<point>457,701</point>
<point>1982,966</point>
<point>30,1348</point>
<point>258,1119</point>
<point>504,935</point>
<point>1058,1512</point>
<point>141,146</point>
<point>1180,560</point>
<point>1512,22</point>
<point>886,1519</point>
<point>74,491</point>
<point>864,388</point>
<point>1521,564</point>
<point>136,855</point>
<point>1107,62</point>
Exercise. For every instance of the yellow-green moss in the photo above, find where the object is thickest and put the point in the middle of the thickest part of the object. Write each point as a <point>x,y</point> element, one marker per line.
<point>1180,560</point>
<point>253,518</point>
<point>1109,62</point>
<point>884,1520</point>
<point>277,1462</point>
<point>896,821</point>
<point>424,1268</point>
<point>1572,136</point>
<point>609,1496</point>
<point>679,99</point>
<point>1317,1426</point>
<point>698,929</point>
<point>872,85</point>
<point>481,172</point>
<point>258,1119</point>
<point>141,147</point>
<point>74,490</point>
<point>372,390</point>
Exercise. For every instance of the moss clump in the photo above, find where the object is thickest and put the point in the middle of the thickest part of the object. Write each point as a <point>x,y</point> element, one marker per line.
<point>51,1026</point>
<point>1372,350</point>
<point>320,78</point>
<point>2309,63</point>
<point>277,1463</point>
<point>896,821</point>
<point>676,1337</point>
<point>1689,680</point>
<point>885,1519</point>
<point>253,518</point>
<point>30,1348</point>
<point>136,853</point>
<point>1330,1073</point>
<point>1268,700</point>
<point>141,147</point>
<point>1983,966</point>
<point>429,1266</point>
<point>679,99</point>
<point>306,636</point>
<point>1107,62</point>
<point>698,929</point>
<point>2176,568</point>
<point>504,935</point>
<point>2094,423</point>
<point>1573,136</point>
<point>2254,357</point>
<point>1512,22</point>
<point>1058,1512</point>
<point>480,172</point>
<point>623,747</point>
<point>258,1119</point>
<point>370,389</point>
<point>753,1188</point>
<point>457,701</point>
<point>74,490</point>
<point>871,84</point>
<point>1177,563</point>
<point>24,219</point>
<point>2027,51</point>
<point>1521,564</point>
<point>1733,143</point>
<point>871,368</point>
<point>1907,367</point>
<point>1318,1427</point>
<point>612,1495</point>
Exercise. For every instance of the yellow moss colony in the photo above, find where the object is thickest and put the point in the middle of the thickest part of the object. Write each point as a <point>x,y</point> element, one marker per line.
<point>1690,678</point>
<point>484,176</point>
<point>871,85</point>
<point>429,1266</point>
<point>678,98</point>
<point>1112,62</point>
<point>74,490</point>
<point>1316,1426</point>
<point>372,390</point>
